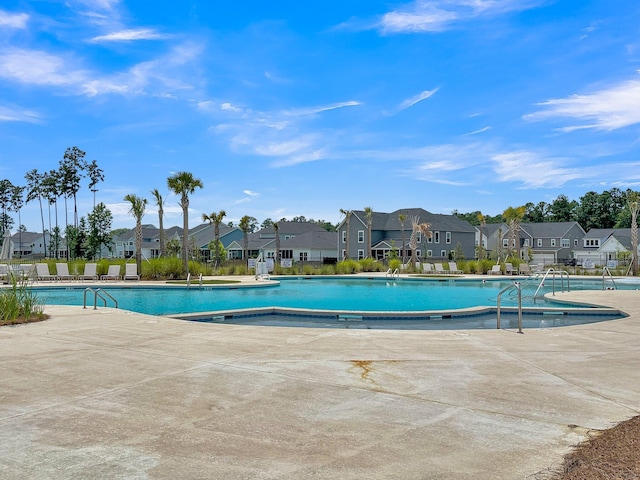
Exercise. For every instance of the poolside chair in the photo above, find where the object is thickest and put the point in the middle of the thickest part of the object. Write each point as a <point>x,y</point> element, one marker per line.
<point>495,270</point>
<point>4,273</point>
<point>42,272</point>
<point>131,272</point>
<point>453,268</point>
<point>112,274</point>
<point>523,269</point>
<point>427,268</point>
<point>439,268</point>
<point>90,272</point>
<point>28,271</point>
<point>62,271</point>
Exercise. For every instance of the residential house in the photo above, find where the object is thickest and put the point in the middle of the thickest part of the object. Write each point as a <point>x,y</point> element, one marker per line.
<point>299,241</point>
<point>604,246</point>
<point>388,233</point>
<point>545,243</point>
<point>204,234</point>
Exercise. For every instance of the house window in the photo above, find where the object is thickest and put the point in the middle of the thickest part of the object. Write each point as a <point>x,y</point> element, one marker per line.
<point>566,243</point>
<point>526,242</point>
<point>419,237</point>
<point>505,242</point>
<point>575,242</point>
<point>443,253</point>
<point>303,256</point>
<point>436,237</point>
<point>418,253</point>
<point>360,254</point>
<point>429,238</point>
<point>360,236</point>
<point>539,242</point>
<point>429,253</point>
<point>592,242</point>
<point>344,236</point>
<point>286,254</point>
<point>447,237</point>
<point>553,242</point>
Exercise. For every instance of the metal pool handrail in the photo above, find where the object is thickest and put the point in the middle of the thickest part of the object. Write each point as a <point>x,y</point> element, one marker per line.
<point>553,272</point>
<point>98,292</point>
<point>606,271</point>
<point>517,286</point>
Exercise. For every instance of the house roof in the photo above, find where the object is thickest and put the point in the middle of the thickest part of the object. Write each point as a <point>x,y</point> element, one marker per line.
<point>549,229</point>
<point>391,222</point>
<point>622,235</point>
<point>314,240</point>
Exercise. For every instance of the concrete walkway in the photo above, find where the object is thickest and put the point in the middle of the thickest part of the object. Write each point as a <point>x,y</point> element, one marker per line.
<point>118,395</point>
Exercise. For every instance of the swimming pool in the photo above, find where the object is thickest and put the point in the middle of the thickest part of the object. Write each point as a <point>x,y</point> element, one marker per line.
<point>374,298</point>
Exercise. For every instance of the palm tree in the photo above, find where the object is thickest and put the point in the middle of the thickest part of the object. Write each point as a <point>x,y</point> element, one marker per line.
<point>160,203</point>
<point>347,215</point>
<point>417,227</point>
<point>368,213</point>
<point>245,226</point>
<point>96,175</point>
<point>483,221</point>
<point>216,219</point>
<point>17,202</point>
<point>633,200</point>
<point>513,216</point>
<point>51,191</point>
<point>34,190</point>
<point>184,184</point>
<point>402,217</point>
<point>71,167</point>
<point>138,206</point>
<point>276,228</point>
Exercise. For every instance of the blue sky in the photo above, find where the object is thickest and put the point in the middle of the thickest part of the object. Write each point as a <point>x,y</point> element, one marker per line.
<point>291,108</point>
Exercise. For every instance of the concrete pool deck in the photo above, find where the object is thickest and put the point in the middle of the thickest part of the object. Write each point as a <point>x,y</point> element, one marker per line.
<point>115,394</point>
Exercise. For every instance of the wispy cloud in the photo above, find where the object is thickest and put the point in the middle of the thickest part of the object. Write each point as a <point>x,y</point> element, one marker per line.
<point>533,170</point>
<point>13,20</point>
<point>320,108</point>
<point>8,114</point>
<point>481,130</point>
<point>423,16</point>
<point>410,102</point>
<point>130,35</point>
<point>607,109</point>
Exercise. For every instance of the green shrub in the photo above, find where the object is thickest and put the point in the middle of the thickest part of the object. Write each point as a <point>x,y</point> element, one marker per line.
<point>348,266</point>
<point>369,265</point>
<point>395,264</point>
<point>19,304</point>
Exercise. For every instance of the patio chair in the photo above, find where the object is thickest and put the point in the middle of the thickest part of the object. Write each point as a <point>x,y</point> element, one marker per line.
<point>113,273</point>
<point>453,268</point>
<point>523,269</point>
<point>427,268</point>
<point>28,271</point>
<point>131,272</point>
<point>495,270</point>
<point>508,269</point>
<point>4,273</point>
<point>439,268</point>
<point>62,271</point>
<point>42,272</point>
<point>90,272</point>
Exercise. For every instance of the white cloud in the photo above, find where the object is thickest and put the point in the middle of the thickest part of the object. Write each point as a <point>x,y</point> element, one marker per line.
<point>250,193</point>
<point>320,109</point>
<point>13,20</point>
<point>607,109</point>
<point>437,15</point>
<point>533,170</point>
<point>410,102</point>
<point>38,68</point>
<point>476,132</point>
<point>15,115</point>
<point>130,35</point>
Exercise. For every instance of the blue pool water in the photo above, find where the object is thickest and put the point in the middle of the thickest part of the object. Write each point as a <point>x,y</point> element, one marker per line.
<point>334,294</point>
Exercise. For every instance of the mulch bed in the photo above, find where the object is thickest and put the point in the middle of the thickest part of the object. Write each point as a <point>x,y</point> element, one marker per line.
<point>612,454</point>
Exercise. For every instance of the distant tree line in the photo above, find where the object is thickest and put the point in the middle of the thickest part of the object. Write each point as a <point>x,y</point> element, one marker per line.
<point>608,209</point>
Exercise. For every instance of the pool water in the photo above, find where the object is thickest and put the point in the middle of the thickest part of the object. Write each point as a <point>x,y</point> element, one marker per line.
<point>367,295</point>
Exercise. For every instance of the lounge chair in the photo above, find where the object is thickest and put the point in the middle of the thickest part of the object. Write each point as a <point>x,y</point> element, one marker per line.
<point>439,268</point>
<point>131,272</point>
<point>495,270</point>
<point>62,271</point>
<point>4,273</point>
<point>523,269</point>
<point>90,272</point>
<point>42,272</point>
<point>508,269</point>
<point>28,271</point>
<point>453,268</point>
<point>113,273</point>
<point>427,268</point>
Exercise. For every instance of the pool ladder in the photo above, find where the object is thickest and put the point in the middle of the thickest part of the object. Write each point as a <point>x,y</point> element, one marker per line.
<point>563,274</point>
<point>392,274</point>
<point>97,293</point>
<point>517,286</point>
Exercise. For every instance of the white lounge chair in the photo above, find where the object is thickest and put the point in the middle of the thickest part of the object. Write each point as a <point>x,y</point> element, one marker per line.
<point>113,273</point>
<point>439,268</point>
<point>427,268</point>
<point>62,272</point>
<point>508,269</point>
<point>28,271</point>
<point>495,270</point>
<point>131,272</point>
<point>42,272</point>
<point>90,272</point>
<point>453,268</point>
<point>523,269</point>
<point>4,272</point>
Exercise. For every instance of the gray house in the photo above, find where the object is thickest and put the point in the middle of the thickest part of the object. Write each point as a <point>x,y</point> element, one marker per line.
<point>547,242</point>
<point>388,233</point>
